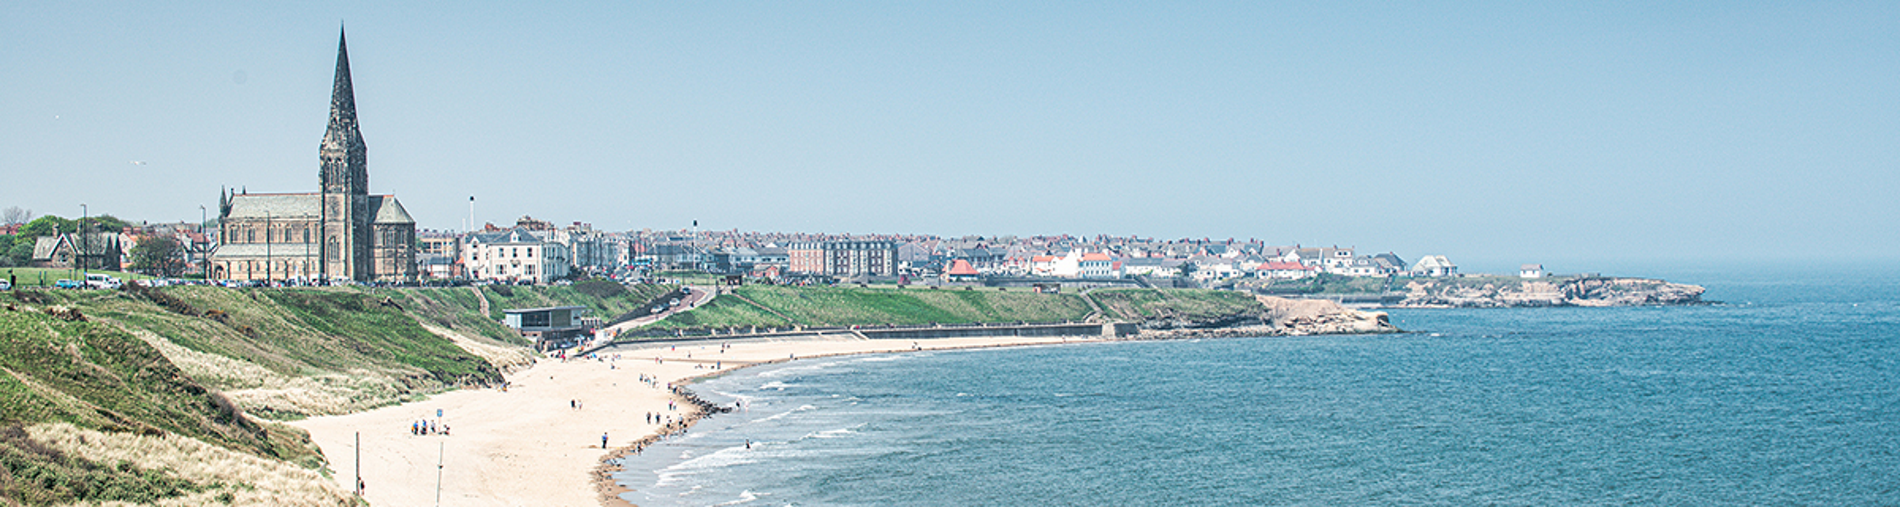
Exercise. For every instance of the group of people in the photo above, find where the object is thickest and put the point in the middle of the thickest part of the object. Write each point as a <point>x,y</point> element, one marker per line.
<point>428,427</point>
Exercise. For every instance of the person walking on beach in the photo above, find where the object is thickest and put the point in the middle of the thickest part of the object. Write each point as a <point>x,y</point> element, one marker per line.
<point>603,440</point>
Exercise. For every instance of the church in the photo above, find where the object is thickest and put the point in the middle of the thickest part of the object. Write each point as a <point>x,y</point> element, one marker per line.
<point>340,232</point>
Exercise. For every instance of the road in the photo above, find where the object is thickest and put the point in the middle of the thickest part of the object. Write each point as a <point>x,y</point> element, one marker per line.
<point>695,297</point>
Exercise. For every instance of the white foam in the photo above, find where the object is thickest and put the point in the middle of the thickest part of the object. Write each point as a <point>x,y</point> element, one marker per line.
<point>781,415</point>
<point>744,497</point>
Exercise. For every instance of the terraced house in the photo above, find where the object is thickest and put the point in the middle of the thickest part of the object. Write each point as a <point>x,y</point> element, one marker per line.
<point>338,232</point>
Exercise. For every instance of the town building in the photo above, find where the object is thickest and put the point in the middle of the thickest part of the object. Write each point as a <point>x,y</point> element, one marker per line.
<point>551,328</point>
<point>860,258</point>
<point>340,232</point>
<point>515,255</point>
<point>1530,271</point>
<point>92,250</point>
<point>1434,266</point>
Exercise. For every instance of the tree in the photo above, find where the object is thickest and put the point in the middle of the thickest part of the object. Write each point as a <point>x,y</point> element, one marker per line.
<point>158,256</point>
<point>14,215</point>
<point>104,223</point>
<point>21,253</point>
<point>48,225</point>
<point>1187,270</point>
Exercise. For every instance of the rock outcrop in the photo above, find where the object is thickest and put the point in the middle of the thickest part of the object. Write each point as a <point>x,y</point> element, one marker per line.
<point>1588,291</point>
<point>1281,317</point>
<point>1316,316</point>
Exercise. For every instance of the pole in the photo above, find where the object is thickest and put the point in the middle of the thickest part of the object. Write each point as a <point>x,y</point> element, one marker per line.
<point>204,264</point>
<point>83,218</point>
<point>359,463</point>
<point>267,248</point>
<point>438,474</point>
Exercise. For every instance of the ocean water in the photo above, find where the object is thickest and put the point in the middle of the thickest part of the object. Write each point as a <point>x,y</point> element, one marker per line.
<point>1789,394</point>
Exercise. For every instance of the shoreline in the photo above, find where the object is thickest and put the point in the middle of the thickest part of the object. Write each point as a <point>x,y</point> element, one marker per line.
<point>608,490</point>
<point>539,442</point>
<point>551,436</point>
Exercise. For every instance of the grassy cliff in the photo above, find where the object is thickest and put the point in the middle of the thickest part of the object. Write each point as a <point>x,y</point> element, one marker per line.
<point>148,395</point>
<point>61,367</point>
<point>1185,304</point>
<point>768,305</point>
<point>780,306</point>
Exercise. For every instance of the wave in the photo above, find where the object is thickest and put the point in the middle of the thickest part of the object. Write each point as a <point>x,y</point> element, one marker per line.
<point>744,497</point>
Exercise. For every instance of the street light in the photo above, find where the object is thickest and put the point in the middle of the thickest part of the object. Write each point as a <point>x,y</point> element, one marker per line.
<point>204,264</point>
<point>81,229</point>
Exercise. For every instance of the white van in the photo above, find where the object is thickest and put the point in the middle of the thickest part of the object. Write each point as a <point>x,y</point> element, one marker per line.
<point>100,281</point>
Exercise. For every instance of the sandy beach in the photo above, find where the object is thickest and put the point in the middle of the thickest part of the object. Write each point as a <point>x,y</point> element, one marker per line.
<point>528,446</point>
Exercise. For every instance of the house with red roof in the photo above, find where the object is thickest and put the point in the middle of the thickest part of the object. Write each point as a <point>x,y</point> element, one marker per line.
<point>961,271</point>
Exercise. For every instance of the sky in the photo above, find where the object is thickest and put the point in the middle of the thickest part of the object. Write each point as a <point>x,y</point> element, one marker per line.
<point>1494,133</point>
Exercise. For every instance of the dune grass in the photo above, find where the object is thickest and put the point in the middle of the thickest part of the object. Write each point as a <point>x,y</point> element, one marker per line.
<point>73,370</point>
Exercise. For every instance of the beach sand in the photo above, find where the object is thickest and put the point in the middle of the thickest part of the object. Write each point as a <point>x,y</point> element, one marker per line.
<point>526,446</point>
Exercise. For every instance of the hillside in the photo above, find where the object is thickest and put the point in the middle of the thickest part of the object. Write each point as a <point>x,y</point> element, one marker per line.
<point>1188,305</point>
<point>64,374</point>
<point>779,306</point>
<point>153,395</point>
<point>769,306</point>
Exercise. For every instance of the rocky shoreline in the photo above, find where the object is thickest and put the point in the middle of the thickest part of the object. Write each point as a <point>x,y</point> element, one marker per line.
<point>1589,291</point>
<point>1283,317</point>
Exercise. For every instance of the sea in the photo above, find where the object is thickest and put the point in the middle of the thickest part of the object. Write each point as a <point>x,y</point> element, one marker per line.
<point>1785,393</point>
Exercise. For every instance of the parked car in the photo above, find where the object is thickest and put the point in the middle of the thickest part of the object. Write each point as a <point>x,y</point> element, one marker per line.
<point>66,284</point>
<point>6,285</point>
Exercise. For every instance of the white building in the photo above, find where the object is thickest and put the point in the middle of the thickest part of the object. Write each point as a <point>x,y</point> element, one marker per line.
<point>1434,266</point>
<point>515,255</point>
<point>1530,271</point>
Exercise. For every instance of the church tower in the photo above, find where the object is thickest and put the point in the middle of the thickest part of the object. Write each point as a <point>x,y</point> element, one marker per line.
<point>345,225</point>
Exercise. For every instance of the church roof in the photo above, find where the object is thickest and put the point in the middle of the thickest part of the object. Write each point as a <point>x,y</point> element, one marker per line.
<point>387,210</point>
<point>303,205</point>
<point>260,250</point>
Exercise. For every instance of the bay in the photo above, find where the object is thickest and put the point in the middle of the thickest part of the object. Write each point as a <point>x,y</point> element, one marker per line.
<point>1787,394</point>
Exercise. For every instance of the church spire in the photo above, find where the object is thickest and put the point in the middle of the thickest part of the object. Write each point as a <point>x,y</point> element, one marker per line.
<point>342,151</point>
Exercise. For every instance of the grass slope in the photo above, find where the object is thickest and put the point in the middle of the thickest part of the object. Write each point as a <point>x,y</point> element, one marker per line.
<point>91,374</point>
<point>844,306</point>
<point>1188,304</point>
<point>604,302</point>
<point>46,277</point>
<point>295,352</point>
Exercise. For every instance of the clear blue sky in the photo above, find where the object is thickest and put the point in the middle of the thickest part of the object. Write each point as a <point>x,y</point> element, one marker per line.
<point>1493,133</point>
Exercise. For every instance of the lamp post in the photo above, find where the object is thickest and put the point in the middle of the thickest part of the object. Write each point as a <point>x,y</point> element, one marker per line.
<point>202,244</point>
<point>267,260</point>
<point>81,229</point>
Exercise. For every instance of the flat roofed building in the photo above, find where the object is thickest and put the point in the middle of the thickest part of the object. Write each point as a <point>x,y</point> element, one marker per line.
<point>551,327</point>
